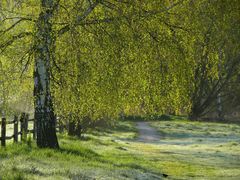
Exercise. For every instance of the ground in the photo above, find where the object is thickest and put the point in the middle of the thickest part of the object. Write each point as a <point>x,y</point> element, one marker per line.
<point>183,150</point>
<point>146,133</point>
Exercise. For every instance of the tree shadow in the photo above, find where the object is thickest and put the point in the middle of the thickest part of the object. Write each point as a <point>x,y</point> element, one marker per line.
<point>83,152</point>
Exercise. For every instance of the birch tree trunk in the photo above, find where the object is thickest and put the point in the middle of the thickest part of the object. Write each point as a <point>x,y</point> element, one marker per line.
<point>44,54</point>
<point>219,99</point>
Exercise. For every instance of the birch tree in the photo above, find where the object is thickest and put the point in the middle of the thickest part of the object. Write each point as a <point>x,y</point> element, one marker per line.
<point>44,53</point>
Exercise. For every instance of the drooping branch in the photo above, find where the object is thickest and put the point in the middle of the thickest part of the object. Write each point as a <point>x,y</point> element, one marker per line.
<point>79,19</point>
<point>28,54</point>
<point>10,41</point>
<point>15,24</point>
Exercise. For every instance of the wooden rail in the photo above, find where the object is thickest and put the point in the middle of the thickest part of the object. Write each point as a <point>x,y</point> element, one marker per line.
<point>24,128</point>
<point>24,131</point>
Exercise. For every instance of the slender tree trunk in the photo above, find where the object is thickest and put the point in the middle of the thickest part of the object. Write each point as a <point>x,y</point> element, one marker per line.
<point>78,129</point>
<point>219,99</point>
<point>71,128</point>
<point>74,128</point>
<point>44,113</point>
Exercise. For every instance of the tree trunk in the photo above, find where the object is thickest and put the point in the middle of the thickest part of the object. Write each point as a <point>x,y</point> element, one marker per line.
<point>219,98</point>
<point>74,128</point>
<point>44,113</point>
<point>195,113</point>
<point>71,128</point>
<point>219,107</point>
<point>78,129</point>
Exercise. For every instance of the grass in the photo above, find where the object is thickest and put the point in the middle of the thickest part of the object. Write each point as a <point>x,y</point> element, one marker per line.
<point>199,149</point>
<point>99,155</point>
<point>187,150</point>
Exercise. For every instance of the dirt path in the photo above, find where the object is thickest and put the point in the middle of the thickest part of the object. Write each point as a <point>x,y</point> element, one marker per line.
<point>147,133</point>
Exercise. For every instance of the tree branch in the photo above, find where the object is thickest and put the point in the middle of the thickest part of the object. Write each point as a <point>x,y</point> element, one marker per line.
<point>16,23</point>
<point>79,18</point>
<point>21,35</point>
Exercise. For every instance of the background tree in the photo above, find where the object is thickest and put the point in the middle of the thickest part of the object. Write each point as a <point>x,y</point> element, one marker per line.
<point>216,54</point>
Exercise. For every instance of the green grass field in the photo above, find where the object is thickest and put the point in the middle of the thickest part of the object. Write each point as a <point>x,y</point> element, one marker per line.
<point>187,150</point>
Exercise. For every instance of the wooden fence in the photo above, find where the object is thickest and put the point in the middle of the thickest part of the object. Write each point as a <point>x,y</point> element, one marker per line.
<point>23,131</point>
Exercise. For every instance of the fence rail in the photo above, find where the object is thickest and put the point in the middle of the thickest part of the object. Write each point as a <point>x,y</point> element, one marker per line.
<point>24,131</point>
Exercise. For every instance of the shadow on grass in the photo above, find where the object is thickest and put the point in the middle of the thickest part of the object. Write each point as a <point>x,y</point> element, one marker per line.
<point>119,127</point>
<point>140,168</point>
<point>154,117</point>
<point>83,152</point>
<point>103,160</point>
<point>124,128</point>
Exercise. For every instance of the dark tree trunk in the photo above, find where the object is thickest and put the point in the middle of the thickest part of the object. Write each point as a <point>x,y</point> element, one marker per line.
<point>78,129</point>
<point>195,113</point>
<point>74,128</point>
<point>71,128</point>
<point>44,113</point>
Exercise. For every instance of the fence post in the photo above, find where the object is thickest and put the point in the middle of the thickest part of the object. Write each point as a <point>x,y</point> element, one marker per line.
<point>15,134</point>
<point>22,123</point>
<point>3,132</point>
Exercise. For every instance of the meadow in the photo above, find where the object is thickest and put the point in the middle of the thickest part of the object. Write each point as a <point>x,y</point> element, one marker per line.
<point>186,150</point>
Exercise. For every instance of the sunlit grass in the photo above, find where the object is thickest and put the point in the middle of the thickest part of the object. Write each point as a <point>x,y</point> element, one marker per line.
<point>187,150</point>
<point>200,149</point>
<point>101,154</point>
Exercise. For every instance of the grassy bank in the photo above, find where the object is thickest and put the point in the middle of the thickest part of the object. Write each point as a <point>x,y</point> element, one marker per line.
<point>100,155</point>
<point>187,150</point>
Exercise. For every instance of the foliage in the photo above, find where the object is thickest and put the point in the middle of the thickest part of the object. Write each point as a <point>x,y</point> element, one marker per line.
<point>132,57</point>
